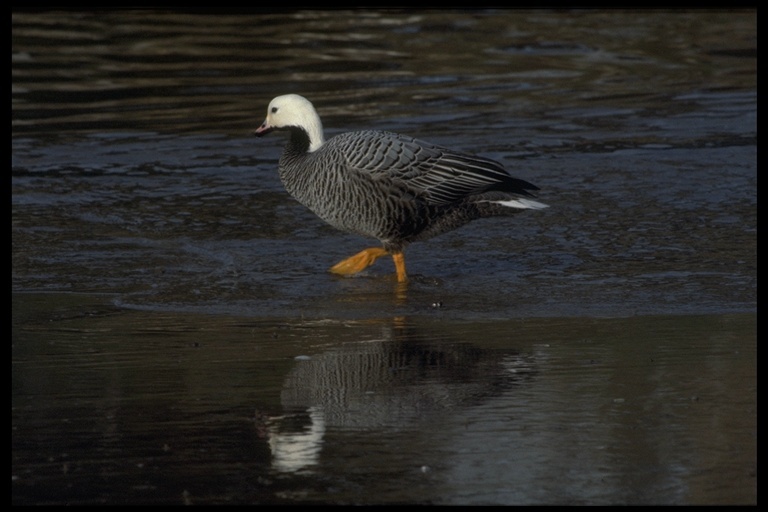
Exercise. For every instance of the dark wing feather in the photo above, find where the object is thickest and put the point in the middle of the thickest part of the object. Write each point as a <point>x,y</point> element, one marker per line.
<point>439,175</point>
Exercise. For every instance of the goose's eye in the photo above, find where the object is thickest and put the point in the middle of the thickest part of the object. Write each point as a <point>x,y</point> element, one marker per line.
<point>274,109</point>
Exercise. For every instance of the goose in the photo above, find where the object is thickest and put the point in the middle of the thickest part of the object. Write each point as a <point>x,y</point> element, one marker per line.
<point>387,186</point>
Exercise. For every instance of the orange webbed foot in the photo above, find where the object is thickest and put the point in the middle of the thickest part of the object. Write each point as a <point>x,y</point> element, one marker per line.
<point>368,257</point>
<point>358,262</point>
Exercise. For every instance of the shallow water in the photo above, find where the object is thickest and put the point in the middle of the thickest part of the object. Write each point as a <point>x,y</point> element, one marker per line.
<point>177,337</point>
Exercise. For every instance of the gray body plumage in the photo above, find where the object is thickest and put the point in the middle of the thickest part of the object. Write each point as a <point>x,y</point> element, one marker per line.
<point>384,185</point>
<point>395,188</point>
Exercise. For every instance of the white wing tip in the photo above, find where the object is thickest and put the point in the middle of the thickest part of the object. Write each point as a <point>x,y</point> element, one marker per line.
<point>522,203</point>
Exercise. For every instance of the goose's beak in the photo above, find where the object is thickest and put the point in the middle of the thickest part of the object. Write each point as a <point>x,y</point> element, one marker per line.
<point>264,129</point>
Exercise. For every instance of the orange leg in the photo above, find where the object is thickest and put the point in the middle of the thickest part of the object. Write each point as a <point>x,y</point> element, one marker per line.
<point>358,262</point>
<point>399,260</point>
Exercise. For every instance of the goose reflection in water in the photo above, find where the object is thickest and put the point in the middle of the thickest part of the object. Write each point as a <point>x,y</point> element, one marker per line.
<point>393,382</point>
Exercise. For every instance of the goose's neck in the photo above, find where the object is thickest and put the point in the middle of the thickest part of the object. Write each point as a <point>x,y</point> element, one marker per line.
<point>315,133</point>
<point>302,143</point>
<point>299,143</point>
<point>308,134</point>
